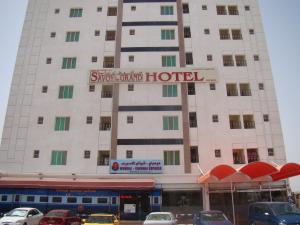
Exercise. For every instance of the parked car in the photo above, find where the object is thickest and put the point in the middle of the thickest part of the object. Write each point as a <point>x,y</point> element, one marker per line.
<point>269,213</point>
<point>60,217</point>
<point>160,218</point>
<point>22,216</point>
<point>101,219</point>
<point>212,217</point>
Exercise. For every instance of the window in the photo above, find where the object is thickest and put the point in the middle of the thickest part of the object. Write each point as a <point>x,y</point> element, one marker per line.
<point>235,122</point>
<point>191,89</point>
<point>107,91</point>
<point>59,158</point>
<point>209,57</point>
<point>131,58</point>
<point>17,198</point>
<point>169,61</point>
<point>270,152</point>
<point>99,9</point>
<point>249,122</point>
<point>105,123</point>
<point>238,156</point>
<point>62,123</point>
<point>187,32</point>
<point>110,35</point>
<point>228,60</point>
<point>48,60</point>
<point>56,199</point>
<point>69,63</point>
<point>251,31</point>
<point>194,154</point>
<point>133,8</point>
<point>112,11</point>
<point>204,7</point>
<point>252,155</point>
<point>261,86</point>
<point>240,60</point>
<point>52,34</point>
<point>131,32</point>
<point>129,154</point>
<point>247,8</point>
<point>91,88</point>
<point>71,199</point>
<point>266,118</point>
<point>36,154</point>
<point>206,31</point>
<point>171,158</point>
<point>233,10</point>
<point>193,119</point>
<point>215,118</point>
<point>224,34</point>
<point>72,36</point>
<point>170,123</point>
<point>103,158</point>
<point>76,12</point>
<point>189,58</point>
<point>87,154</point>
<point>44,199</point>
<point>167,34</point>
<point>94,59</point>
<point>40,120</point>
<point>97,32</point>
<point>89,119</point>
<point>102,200</point>
<point>30,199</point>
<point>245,89</point>
<point>256,57</point>
<point>218,153</point>
<point>130,87</point>
<point>185,8</point>
<point>44,89</point>
<point>86,200</point>
<point>108,62</point>
<point>232,90</point>
<point>65,92</point>
<point>56,11</point>
<point>169,90</point>
<point>129,119</point>
<point>236,34</point>
<point>221,10</point>
<point>212,86</point>
<point>166,10</point>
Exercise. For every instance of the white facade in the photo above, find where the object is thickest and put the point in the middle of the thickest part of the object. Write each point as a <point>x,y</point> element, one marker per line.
<point>22,134</point>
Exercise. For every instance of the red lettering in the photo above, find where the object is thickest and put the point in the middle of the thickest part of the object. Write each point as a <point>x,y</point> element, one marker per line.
<point>148,75</point>
<point>197,78</point>
<point>167,76</point>
<point>94,76</point>
<point>187,76</point>
<point>177,75</point>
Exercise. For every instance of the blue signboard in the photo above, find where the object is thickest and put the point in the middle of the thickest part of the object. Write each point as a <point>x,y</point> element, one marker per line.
<point>136,166</point>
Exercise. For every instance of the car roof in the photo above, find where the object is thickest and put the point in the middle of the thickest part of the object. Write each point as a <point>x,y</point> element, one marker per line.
<point>168,213</point>
<point>102,214</point>
<point>25,208</point>
<point>59,210</point>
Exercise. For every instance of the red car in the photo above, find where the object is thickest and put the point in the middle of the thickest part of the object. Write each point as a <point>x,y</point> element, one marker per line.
<point>60,217</point>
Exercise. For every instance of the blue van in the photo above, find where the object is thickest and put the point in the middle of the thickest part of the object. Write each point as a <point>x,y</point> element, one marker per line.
<point>271,213</point>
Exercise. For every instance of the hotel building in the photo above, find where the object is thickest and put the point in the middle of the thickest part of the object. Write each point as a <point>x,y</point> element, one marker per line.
<point>133,106</point>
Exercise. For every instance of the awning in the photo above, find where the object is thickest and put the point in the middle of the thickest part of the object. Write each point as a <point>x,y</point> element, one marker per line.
<point>78,184</point>
<point>255,171</point>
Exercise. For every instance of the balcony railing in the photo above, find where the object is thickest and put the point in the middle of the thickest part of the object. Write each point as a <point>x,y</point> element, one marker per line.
<point>235,124</point>
<point>232,92</point>
<point>249,124</point>
<point>246,92</point>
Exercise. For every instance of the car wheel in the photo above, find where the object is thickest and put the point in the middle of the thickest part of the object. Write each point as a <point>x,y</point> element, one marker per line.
<point>24,223</point>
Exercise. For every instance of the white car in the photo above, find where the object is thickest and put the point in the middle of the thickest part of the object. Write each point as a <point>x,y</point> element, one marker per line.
<point>22,216</point>
<point>160,218</point>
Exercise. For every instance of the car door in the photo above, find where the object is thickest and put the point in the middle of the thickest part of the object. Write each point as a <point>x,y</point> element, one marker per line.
<point>35,217</point>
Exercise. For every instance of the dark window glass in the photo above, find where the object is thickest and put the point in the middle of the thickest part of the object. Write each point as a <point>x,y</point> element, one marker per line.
<point>185,8</point>
<point>102,201</point>
<point>86,200</point>
<point>36,154</point>
<point>44,199</point>
<point>191,89</point>
<point>204,7</point>
<point>212,86</point>
<point>87,154</point>
<point>71,200</point>
<point>56,199</point>
<point>194,154</point>
<point>193,119</point>
<point>217,153</point>
<point>4,198</point>
<point>187,32</point>
<point>30,198</point>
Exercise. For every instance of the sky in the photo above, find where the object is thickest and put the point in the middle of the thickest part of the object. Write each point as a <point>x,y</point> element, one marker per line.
<point>281,19</point>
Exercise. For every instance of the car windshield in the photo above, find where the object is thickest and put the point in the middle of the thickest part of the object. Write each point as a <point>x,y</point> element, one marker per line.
<point>100,219</point>
<point>213,217</point>
<point>284,208</point>
<point>17,212</point>
<point>159,217</point>
<point>56,214</point>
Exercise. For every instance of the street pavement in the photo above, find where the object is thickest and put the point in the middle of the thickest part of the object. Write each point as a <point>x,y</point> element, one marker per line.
<point>128,222</point>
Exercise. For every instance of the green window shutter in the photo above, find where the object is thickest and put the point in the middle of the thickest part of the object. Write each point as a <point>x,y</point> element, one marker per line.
<point>165,158</point>
<point>173,61</point>
<point>64,64</point>
<point>56,123</point>
<point>170,121</point>
<point>67,123</point>
<point>63,158</point>
<point>165,90</point>
<point>73,63</point>
<point>164,61</point>
<point>70,91</point>
<point>165,123</point>
<point>175,94</point>
<point>61,91</point>
<point>170,91</point>
<point>171,10</point>
<point>172,35</point>
<point>175,120</point>
<point>177,158</point>
<point>77,36</point>
<point>80,13</point>
<point>68,37</point>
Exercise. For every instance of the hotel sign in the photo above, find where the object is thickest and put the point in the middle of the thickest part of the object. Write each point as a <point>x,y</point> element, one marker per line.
<point>136,166</point>
<point>161,75</point>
